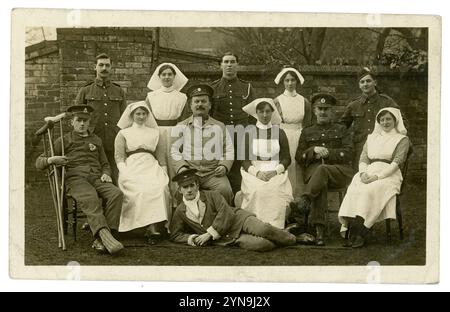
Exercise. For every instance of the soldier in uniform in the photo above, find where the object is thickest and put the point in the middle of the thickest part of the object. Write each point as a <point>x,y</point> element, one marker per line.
<point>88,176</point>
<point>193,149</point>
<point>360,113</point>
<point>231,94</point>
<point>108,101</point>
<point>325,152</point>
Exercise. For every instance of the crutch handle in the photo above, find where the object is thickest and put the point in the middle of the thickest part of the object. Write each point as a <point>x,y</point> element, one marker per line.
<point>55,118</point>
<point>43,129</point>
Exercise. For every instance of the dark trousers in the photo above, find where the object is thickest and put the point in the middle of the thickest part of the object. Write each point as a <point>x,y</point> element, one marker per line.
<point>112,164</point>
<point>316,188</point>
<point>260,236</point>
<point>86,192</point>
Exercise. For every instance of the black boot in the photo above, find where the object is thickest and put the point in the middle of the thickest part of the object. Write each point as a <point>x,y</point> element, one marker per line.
<point>319,235</point>
<point>361,230</point>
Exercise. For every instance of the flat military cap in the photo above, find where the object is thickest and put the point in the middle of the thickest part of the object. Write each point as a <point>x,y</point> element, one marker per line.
<point>323,100</point>
<point>364,72</point>
<point>200,89</point>
<point>80,110</point>
<point>186,177</point>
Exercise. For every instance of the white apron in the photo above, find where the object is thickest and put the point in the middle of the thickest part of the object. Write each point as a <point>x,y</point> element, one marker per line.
<point>293,111</point>
<point>376,201</point>
<point>143,182</point>
<point>267,200</point>
<point>167,104</point>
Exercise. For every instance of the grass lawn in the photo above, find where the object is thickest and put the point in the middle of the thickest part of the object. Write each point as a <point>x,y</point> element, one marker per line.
<point>41,245</point>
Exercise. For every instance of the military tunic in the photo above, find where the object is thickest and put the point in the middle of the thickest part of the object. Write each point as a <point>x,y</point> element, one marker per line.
<point>87,162</point>
<point>229,97</point>
<point>108,101</point>
<point>360,115</point>
<point>334,171</point>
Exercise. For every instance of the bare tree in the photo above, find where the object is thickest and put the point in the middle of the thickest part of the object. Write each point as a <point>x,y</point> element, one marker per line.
<point>292,46</point>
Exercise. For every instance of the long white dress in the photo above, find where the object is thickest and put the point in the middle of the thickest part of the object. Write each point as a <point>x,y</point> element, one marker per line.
<point>143,182</point>
<point>293,111</point>
<point>375,201</point>
<point>267,200</point>
<point>167,105</point>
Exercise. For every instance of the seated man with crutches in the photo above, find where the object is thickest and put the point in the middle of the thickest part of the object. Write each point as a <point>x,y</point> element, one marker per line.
<point>88,175</point>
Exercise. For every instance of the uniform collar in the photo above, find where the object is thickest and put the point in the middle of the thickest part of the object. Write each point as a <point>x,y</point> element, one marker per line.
<point>324,126</point>
<point>230,80</point>
<point>262,126</point>
<point>81,136</point>
<point>208,121</point>
<point>99,82</point>
<point>372,98</point>
<point>290,94</point>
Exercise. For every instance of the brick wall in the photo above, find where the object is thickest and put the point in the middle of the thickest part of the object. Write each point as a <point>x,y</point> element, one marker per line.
<point>55,71</point>
<point>409,90</point>
<point>42,96</point>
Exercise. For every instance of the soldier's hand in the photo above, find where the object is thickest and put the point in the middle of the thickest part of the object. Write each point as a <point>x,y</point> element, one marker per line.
<point>106,178</point>
<point>220,171</point>
<point>321,152</point>
<point>57,160</point>
<point>202,239</point>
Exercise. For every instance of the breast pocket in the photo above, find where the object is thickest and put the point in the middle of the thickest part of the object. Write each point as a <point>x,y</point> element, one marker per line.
<point>358,120</point>
<point>335,139</point>
<point>314,139</point>
<point>113,109</point>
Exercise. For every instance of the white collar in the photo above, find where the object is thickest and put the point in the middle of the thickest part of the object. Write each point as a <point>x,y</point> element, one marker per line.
<point>192,207</point>
<point>392,132</point>
<point>167,89</point>
<point>138,126</point>
<point>289,93</point>
<point>262,126</point>
<point>194,201</point>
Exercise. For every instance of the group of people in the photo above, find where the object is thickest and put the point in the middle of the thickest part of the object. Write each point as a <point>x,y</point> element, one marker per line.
<point>217,165</point>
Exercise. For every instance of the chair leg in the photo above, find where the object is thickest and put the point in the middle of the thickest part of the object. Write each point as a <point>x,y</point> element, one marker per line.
<point>65,216</point>
<point>399,217</point>
<point>75,219</point>
<point>388,231</point>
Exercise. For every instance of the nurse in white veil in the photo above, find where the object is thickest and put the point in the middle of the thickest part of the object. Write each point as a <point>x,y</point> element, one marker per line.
<point>167,105</point>
<point>142,172</point>
<point>371,196</point>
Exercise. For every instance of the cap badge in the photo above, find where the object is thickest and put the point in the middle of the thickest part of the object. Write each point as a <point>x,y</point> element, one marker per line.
<point>322,100</point>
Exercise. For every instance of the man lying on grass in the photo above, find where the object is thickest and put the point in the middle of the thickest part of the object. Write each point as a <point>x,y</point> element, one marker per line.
<point>204,217</point>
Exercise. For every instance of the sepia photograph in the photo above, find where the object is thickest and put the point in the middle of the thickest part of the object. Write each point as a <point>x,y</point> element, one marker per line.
<point>238,148</point>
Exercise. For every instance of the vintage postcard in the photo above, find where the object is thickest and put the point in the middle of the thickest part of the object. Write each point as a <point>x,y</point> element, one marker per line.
<point>213,146</point>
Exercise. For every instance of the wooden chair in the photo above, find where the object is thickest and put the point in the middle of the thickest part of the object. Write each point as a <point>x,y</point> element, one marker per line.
<point>72,215</point>
<point>398,210</point>
<point>341,193</point>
